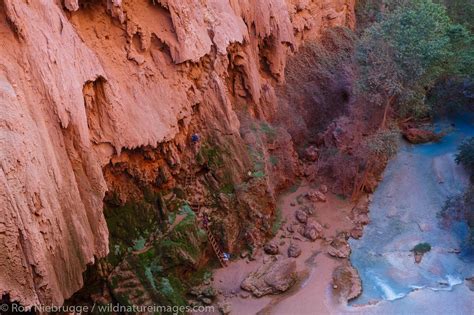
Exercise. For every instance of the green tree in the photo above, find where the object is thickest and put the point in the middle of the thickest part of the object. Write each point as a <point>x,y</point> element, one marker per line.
<point>401,56</point>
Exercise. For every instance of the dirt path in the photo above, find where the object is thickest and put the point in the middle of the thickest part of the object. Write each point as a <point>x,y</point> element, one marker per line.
<point>313,293</point>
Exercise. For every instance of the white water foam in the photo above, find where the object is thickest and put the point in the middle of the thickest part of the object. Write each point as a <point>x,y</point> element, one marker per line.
<point>388,292</point>
<point>451,282</point>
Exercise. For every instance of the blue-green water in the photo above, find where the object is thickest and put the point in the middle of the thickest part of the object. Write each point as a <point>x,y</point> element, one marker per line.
<point>404,212</point>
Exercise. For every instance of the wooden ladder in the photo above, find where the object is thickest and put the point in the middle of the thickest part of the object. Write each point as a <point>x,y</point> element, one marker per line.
<point>216,248</point>
<point>196,207</point>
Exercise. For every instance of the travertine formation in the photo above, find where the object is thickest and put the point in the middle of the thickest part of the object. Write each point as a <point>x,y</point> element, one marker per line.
<point>83,80</point>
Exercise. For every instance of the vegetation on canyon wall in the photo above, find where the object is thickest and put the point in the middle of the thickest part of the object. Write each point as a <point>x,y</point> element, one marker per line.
<point>410,47</point>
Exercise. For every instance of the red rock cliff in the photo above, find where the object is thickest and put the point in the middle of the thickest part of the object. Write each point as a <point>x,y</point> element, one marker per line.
<point>81,81</point>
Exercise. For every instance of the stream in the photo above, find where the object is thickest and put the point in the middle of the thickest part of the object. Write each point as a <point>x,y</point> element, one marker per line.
<point>405,212</point>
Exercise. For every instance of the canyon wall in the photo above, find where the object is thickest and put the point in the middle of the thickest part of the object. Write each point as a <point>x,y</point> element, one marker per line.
<point>100,96</point>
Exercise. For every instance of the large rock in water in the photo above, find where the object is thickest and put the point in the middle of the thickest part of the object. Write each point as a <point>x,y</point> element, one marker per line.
<point>416,136</point>
<point>271,278</point>
<point>346,282</point>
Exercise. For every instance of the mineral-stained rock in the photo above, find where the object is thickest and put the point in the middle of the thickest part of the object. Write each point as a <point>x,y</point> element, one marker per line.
<point>416,136</point>
<point>294,250</point>
<point>301,216</point>
<point>271,278</point>
<point>271,248</point>
<point>312,230</point>
<point>346,282</point>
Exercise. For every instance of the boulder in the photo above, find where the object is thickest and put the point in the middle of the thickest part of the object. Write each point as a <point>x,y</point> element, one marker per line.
<point>301,216</point>
<point>357,232</point>
<point>294,250</point>
<point>271,278</point>
<point>416,136</point>
<point>316,196</point>
<point>312,230</point>
<point>224,308</point>
<point>339,247</point>
<point>309,209</point>
<point>346,282</point>
<point>206,301</point>
<point>271,248</point>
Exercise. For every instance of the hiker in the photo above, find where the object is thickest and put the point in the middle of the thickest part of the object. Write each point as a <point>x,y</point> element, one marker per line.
<point>194,138</point>
<point>226,256</point>
<point>195,142</point>
<point>205,220</point>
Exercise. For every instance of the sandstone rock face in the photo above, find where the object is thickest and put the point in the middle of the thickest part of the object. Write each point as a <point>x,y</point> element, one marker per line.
<point>81,86</point>
<point>271,278</point>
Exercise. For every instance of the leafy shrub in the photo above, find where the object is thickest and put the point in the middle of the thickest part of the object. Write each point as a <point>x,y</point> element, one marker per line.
<point>421,248</point>
<point>383,143</point>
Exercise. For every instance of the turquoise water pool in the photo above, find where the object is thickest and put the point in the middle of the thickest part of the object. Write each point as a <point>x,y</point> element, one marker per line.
<point>404,212</point>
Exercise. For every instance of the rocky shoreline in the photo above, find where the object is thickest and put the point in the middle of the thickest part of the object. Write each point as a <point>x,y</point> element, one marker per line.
<point>315,228</point>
